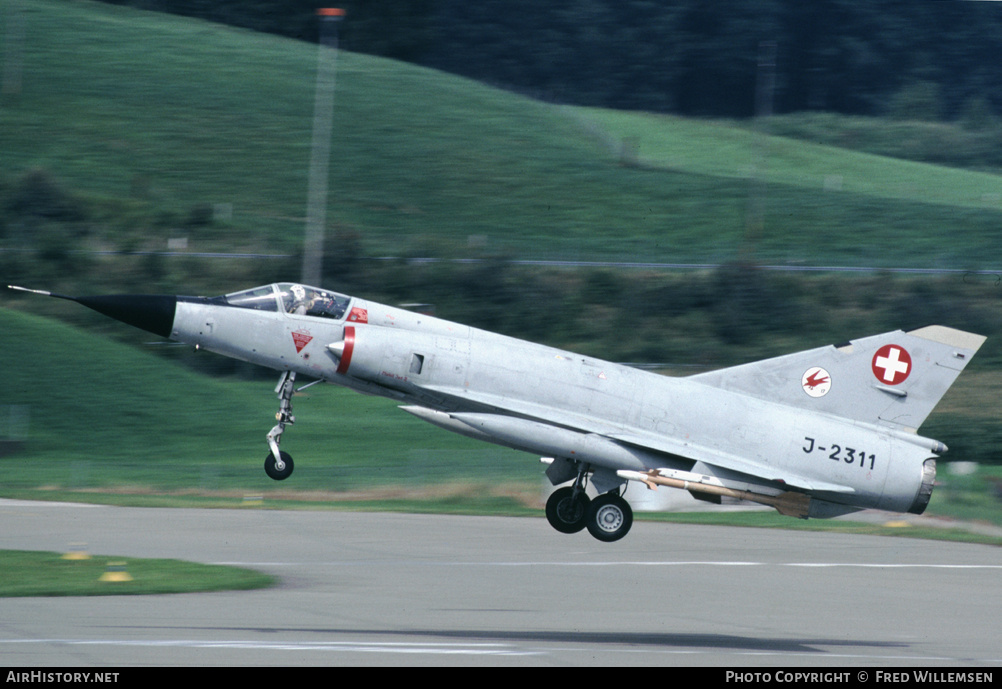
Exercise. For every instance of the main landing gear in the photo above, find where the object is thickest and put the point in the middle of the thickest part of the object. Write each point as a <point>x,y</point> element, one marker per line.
<point>569,510</point>
<point>278,465</point>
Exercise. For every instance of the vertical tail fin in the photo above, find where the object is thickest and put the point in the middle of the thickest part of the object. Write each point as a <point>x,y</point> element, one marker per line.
<point>894,379</point>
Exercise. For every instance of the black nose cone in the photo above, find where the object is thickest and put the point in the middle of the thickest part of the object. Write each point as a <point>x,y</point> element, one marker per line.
<point>151,312</point>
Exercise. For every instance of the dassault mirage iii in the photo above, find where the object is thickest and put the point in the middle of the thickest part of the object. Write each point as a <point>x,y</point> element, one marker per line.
<point>819,433</point>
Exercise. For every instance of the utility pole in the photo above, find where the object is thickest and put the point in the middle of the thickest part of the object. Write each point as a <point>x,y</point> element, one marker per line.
<point>320,150</point>
<point>13,52</point>
<point>765,87</point>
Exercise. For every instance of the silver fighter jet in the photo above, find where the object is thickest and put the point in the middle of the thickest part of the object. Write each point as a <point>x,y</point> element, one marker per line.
<point>818,433</point>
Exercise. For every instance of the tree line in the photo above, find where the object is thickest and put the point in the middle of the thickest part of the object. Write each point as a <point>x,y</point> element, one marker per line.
<point>930,59</point>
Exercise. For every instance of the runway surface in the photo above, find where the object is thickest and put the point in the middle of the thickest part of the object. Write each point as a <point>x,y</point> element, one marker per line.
<point>388,589</point>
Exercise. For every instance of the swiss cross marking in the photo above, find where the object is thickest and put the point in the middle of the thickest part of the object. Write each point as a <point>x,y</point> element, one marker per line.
<point>892,364</point>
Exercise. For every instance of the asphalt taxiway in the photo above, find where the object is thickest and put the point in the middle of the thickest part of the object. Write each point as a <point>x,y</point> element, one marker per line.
<point>386,589</point>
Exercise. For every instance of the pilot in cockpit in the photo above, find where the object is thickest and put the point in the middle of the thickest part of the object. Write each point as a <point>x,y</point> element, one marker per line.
<point>301,302</point>
<point>307,301</point>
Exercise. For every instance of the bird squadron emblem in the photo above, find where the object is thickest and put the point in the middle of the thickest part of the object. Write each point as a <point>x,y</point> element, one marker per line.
<point>816,382</point>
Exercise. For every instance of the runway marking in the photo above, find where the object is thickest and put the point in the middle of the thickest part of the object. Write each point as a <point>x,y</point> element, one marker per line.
<point>468,649</point>
<point>430,648</point>
<point>628,563</point>
<point>10,502</point>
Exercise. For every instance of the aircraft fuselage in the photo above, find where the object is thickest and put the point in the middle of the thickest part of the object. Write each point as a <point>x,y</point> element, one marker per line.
<point>556,403</point>
<point>816,433</point>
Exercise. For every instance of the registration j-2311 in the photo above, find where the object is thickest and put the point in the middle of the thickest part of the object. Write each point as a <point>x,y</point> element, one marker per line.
<point>841,453</point>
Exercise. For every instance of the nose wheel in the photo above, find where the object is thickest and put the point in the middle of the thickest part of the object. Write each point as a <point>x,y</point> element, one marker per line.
<point>279,469</point>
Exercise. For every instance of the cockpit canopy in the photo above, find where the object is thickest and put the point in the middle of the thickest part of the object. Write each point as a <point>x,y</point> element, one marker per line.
<point>293,298</point>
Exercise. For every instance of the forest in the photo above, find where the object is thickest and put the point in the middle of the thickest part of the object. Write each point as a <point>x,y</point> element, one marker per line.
<point>932,59</point>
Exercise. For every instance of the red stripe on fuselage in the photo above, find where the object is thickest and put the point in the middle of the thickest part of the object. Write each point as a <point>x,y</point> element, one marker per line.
<point>349,346</point>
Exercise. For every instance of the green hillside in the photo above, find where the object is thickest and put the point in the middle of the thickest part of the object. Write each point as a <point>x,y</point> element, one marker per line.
<point>722,149</point>
<point>154,121</point>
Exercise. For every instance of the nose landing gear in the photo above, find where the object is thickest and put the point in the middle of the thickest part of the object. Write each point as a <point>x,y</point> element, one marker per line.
<point>278,465</point>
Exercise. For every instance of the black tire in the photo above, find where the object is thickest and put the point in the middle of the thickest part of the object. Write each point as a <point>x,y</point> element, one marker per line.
<point>566,513</point>
<point>609,517</point>
<point>269,466</point>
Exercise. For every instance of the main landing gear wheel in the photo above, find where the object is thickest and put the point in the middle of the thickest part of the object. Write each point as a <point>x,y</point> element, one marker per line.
<point>609,517</point>
<point>567,512</point>
<point>277,471</point>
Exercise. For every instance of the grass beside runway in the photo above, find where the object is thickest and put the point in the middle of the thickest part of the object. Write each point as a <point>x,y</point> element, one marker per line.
<point>36,573</point>
<point>890,526</point>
